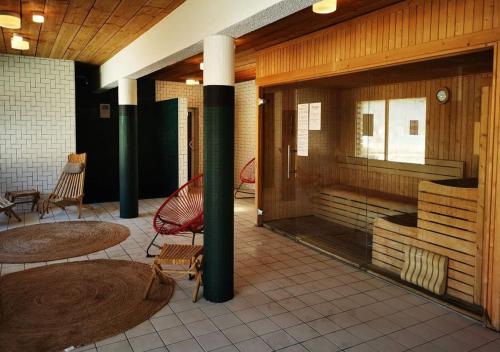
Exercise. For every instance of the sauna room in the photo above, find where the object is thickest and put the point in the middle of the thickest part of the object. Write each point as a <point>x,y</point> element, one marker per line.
<point>369,165</point>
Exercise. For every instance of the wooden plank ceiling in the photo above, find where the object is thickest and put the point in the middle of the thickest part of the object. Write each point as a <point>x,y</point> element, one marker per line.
<point>89,31</point>
<point>296,25</point>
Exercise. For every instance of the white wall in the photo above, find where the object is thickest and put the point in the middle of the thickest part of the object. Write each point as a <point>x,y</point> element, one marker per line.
<point>37,121</point>
<point>245,126</point>
<point>245,133</point>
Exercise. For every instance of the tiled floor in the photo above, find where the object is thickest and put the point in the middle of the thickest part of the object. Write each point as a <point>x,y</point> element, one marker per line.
<point>288,298</point>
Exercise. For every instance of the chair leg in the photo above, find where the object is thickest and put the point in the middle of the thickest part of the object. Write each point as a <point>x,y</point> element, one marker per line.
<point>150,284</point>
<point>44,208</point>
<point>191,276</point>
<point>152,243</point>
<point>34,202</point>
<point>79,209</point>
<point>239,190</point>
<point>197,286</point>
<point>14,214</point>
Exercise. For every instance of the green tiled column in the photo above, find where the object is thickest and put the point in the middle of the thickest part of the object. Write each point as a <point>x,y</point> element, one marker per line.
<point>129,184</point>
<point>218,95</point>
<point>128,161</point>
<point>218,184</point>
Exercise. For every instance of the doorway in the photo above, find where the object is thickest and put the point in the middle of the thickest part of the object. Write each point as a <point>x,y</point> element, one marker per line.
<point>193,142</point>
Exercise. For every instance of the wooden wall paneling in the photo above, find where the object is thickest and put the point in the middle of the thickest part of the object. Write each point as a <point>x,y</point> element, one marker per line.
<point>462,26</point>
<point>440,29</point>
<point>483,134</point>
<point>449,127</point>
<point>491,254</point>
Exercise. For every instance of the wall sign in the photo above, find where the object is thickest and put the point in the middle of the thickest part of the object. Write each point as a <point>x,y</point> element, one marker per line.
<point>413,127</point>
<point>303,130</point>
<point>315,116</point>
<point>104,111</point>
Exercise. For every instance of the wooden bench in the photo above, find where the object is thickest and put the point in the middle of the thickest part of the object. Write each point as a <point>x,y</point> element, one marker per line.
<point>394,177</point>
<point>433,169</point>
<point>357,207</point>
<point>446,224</point>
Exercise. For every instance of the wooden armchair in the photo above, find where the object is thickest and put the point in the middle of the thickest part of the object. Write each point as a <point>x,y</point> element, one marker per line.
<point>69,187</point>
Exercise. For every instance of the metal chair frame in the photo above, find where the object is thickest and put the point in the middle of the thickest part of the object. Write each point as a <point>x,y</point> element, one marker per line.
<point>247,176</point>
<point>171,219</point>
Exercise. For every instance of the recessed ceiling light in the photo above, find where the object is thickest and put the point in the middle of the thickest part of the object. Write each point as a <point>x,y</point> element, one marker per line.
<point>325,6</point>
<point>202,66</point>
<point>192,82</point>
<point>17,42</point>
<point>38,17</point>
<point>10,20</point>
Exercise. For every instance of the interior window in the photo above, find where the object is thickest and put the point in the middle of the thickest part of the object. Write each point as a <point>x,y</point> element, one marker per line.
<point>406,130</point>
<point>370,129</point>
<point>405,124</point>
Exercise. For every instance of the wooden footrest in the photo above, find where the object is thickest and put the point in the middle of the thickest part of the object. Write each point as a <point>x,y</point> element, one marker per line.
<point>178,254</point>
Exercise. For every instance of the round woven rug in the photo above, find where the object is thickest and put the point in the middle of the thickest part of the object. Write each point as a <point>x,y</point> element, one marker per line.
<point>60,240</point>
<point>54,307</point>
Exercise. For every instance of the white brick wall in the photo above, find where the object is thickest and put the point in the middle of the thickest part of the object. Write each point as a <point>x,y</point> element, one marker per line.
<point>245,129</point>
<point>245,116</point>
<point>37,121</point>
<point>194,95</point>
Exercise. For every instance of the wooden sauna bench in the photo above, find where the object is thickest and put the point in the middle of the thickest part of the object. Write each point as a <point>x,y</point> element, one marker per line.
<point>358,207</point>
<point>445,224</point>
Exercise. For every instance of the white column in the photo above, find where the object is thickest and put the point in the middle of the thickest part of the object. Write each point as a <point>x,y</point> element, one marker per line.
<point>127,91</point>
<point>218,60</point>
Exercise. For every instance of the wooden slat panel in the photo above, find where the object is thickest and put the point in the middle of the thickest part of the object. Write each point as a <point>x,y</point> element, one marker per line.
<point>450,253</point>
<point>436,27</point>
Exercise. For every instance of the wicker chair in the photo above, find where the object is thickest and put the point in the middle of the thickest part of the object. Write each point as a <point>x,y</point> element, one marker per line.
<point>181,212</point>
<point>247,176</point>
<point>69,187</point>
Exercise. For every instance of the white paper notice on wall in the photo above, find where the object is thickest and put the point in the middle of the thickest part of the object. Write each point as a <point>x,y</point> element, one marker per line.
<point>315,116</point>
<point>303,130</point>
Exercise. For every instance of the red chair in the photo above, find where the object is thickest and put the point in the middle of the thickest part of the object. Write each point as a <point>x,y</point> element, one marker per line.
<point>247,176</point>
<point>181,212</point>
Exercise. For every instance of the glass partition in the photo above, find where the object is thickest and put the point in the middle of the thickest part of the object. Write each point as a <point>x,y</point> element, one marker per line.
<point>344,157</point>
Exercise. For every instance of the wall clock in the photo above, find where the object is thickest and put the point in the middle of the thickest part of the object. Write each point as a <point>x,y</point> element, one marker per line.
<point>442,95</point>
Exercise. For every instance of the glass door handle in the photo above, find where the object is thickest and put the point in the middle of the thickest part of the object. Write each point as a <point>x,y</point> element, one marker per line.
<point>289,171</point>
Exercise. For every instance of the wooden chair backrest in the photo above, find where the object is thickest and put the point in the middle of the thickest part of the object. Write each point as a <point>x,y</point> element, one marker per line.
<point>70,186</point>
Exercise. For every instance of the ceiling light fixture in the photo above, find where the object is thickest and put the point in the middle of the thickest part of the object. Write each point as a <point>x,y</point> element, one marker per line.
<point>10,20</point>
<point>325,6</point>
<point>192,82</point>
<point>202,66</point>
<point>38,17</point>
<point>17,42</point>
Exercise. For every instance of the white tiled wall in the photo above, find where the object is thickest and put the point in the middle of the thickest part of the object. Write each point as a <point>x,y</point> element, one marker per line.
<point>37,121</point>
<point>245,129</point>
<point>194,95</point>
<point>245,117</point>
